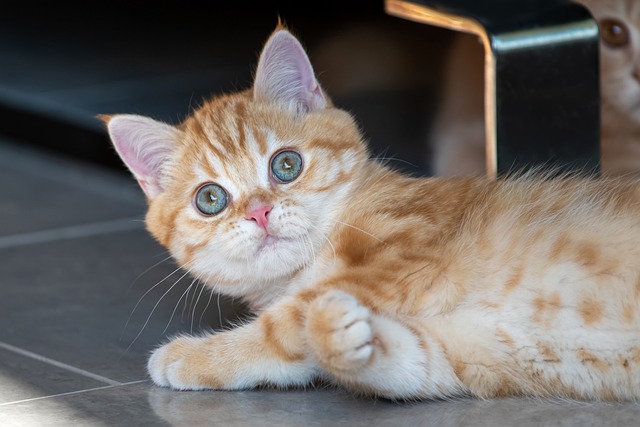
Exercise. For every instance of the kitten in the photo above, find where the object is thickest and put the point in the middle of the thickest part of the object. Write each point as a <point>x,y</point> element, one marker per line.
<point>387,285</point>
<point>458,139</point>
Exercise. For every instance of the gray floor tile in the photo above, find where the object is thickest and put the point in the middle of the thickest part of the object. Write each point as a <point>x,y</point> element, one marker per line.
<point>146,405</point>
<point>125,405</point>
<point>46,192</point>
<point>25,378</point>
<point>70,301</point>
<point>331,408</point>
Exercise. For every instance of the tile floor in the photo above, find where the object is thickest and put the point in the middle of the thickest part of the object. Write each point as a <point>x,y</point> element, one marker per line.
<point>83,300</point>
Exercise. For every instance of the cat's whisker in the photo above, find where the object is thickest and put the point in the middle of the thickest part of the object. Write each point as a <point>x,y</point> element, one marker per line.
<point>313,258</point>
<point>195,306</point>
<point>360,229</point>
<point>387,160</point>
<point>307,243</point>
<point>187,307</point>
<point>148,270</point>
<point>303,237</point>
<point>154,309</point>
<point>215,288</point>
<point>324,236</point>
<point>219,309</point>
<point>309,256</point>
<point>205,307</point>
<point>184,306</point>
<point>177,305</point>
<point>142,297</point>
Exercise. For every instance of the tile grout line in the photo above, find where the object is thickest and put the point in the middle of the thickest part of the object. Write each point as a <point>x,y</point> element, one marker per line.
<point>58,364</point>
<point>70,393</point>
<point>71,232</point>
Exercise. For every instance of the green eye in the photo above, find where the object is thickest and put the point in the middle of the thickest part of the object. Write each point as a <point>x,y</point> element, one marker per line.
<point>211,199</point>
<point>286,166</point>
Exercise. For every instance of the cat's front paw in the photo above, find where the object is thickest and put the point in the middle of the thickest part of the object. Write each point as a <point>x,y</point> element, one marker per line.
<point>339,332</point>
<point>178,364</point>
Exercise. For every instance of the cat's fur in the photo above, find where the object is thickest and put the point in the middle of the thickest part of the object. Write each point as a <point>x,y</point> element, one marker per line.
<point>406,288</point>
<point>458,138</point>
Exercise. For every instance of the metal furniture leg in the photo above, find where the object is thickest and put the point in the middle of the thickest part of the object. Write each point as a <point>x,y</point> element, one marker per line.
<point>542,86</point>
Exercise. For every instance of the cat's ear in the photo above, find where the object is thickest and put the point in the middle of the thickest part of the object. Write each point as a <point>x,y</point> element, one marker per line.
<point>285,75</point>
<point>144,145</point>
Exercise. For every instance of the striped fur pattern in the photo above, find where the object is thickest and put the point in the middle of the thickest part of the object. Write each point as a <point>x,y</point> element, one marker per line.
<point>386,285</point>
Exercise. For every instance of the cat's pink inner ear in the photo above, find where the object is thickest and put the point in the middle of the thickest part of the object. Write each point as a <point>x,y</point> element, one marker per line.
<point>144,145</point>
<point>285,75</point>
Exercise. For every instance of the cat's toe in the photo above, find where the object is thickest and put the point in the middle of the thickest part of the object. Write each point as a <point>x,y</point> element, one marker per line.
<point>156,367</point>
<point>354,345</point>
<point>340,332</point>
<point>344,309</point>
<point>168,365</point>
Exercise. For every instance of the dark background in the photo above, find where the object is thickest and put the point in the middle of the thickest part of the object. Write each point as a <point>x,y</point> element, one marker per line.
<point>64,63</point>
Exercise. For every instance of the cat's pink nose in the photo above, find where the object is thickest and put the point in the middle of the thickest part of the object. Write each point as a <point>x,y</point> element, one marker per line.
<point>260,215</point>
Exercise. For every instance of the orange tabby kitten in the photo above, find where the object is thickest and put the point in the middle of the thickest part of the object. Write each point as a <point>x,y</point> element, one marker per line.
<point>406,288</point>
<point>458,139</point>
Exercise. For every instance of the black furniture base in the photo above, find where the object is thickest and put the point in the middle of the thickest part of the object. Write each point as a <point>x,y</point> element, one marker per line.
<point>542,88</point>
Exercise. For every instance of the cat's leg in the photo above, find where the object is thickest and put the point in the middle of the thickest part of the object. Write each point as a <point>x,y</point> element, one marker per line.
<point>313,334</point>
<point>375,354</point>
<point>269,350</point>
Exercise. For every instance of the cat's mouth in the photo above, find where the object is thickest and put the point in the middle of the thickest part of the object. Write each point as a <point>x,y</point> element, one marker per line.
<point>270,241</point>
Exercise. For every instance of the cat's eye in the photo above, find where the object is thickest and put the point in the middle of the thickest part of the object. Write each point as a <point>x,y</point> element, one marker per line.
<point>286,166</point>
<point>614,33</point>
<point>211,199</point>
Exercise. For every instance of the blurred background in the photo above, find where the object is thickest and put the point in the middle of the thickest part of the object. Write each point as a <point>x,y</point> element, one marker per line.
<point>65,62</point>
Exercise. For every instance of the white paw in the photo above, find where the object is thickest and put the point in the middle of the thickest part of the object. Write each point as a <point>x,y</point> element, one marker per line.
<point>171,365</point>
<point>339,331</point>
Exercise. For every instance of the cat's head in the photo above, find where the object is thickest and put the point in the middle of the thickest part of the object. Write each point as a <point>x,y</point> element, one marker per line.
<point>245,191</point>
<point>619,22</point>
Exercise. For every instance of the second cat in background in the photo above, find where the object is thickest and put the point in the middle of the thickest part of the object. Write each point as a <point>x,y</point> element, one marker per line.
<point>458,137</point>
